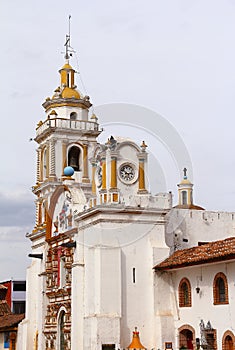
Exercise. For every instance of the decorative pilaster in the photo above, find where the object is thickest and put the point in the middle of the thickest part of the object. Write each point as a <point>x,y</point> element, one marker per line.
<point>85,178</point>
<point>104,184</point>
<point>92,201</point>
<point>47,160</point>
<point>113,191</point>
<point>42,151</point>
<point>52,160</point>
<point>39,214</point>
<point>39,166</point>
<point>142,156</point>
<point>93,185</point>
<point>64,156</point>
<point>103,191</point>
<point>113,179</point>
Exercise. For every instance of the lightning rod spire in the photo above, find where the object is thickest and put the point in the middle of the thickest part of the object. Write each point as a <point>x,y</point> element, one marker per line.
<point>67,42</point>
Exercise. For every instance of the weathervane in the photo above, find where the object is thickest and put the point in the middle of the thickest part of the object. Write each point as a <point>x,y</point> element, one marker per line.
<point>68,48</point>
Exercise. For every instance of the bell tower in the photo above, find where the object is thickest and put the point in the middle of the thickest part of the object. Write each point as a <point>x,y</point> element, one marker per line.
<point>66,137</point>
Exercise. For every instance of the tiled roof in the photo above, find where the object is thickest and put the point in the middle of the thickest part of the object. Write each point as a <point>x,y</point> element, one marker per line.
<point>10,320</point>
<point>204,254</point>
<point>4,308</point>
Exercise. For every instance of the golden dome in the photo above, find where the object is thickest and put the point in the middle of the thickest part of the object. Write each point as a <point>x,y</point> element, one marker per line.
<point>185,182</point>
<point>67,66</point>
<point>70,93</point>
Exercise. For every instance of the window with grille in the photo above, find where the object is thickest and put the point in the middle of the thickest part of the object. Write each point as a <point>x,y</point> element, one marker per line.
<point>220,289</point>
<point>185,293</point>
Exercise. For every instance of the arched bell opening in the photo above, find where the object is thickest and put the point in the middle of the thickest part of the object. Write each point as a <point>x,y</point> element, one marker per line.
<point>74,158</point>
<point>73,116</point>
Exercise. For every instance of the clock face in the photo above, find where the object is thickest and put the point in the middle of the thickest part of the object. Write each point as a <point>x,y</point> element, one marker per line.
<point>127,173</point>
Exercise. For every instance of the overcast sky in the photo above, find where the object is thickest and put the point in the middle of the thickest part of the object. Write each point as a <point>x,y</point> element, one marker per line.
<point>174,57</point>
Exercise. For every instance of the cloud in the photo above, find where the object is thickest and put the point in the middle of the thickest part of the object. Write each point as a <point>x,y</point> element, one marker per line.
<point>14,250</point>
<point>16,209</point>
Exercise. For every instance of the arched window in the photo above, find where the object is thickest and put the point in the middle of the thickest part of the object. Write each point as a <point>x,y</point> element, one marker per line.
<point>184,198</point>
<point>228,341</point>
<point>73,116</point>
<point>61,331</point>
<point>73,158</point>
<point>185,293</point>
<point>220,289</point>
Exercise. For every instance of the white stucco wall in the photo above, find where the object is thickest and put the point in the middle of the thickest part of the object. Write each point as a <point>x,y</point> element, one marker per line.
<point>221,317</point>
<point>198,225</point>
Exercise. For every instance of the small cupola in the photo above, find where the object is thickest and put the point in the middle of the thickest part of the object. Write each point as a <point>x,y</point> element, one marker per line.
<point>185,194</point>
<point>66,94</point>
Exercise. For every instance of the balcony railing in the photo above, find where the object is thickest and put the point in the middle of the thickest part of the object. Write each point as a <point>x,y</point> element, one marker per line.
<point>63,123</point>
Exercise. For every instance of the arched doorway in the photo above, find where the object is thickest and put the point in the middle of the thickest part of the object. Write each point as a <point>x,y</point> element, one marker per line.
<point>61,331</point>
<point>186,337</point>
<point>228,342</point>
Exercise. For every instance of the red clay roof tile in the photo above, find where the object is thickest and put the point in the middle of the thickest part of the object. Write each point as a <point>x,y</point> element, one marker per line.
<point>204,254</point>
<point>10,320</point>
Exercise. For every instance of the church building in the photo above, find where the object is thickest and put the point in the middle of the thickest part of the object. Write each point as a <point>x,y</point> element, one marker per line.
<point>108,256</point>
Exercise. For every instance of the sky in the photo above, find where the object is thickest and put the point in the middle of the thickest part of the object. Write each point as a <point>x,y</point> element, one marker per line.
<point>173,59</point>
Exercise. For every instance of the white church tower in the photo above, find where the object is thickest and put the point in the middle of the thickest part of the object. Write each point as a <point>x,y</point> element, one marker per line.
<point>97,236</point>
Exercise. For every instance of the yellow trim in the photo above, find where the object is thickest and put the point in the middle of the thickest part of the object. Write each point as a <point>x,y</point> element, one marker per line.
<point>103,174</point>
<point>64,156</point>
<point>64,103</point>
<point>67,75</point>
<point>70,93</point>
<point>141,175</point>
<point>93,179</point>
<point>45,212</point>
<point>115,197</point>
<point>36,341</point>
<point>189,196</point>
<point>85,164</point>
<point>39,213</point>
<point>63,77</point>
<point>66,66</point>
<point>113,181</point>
